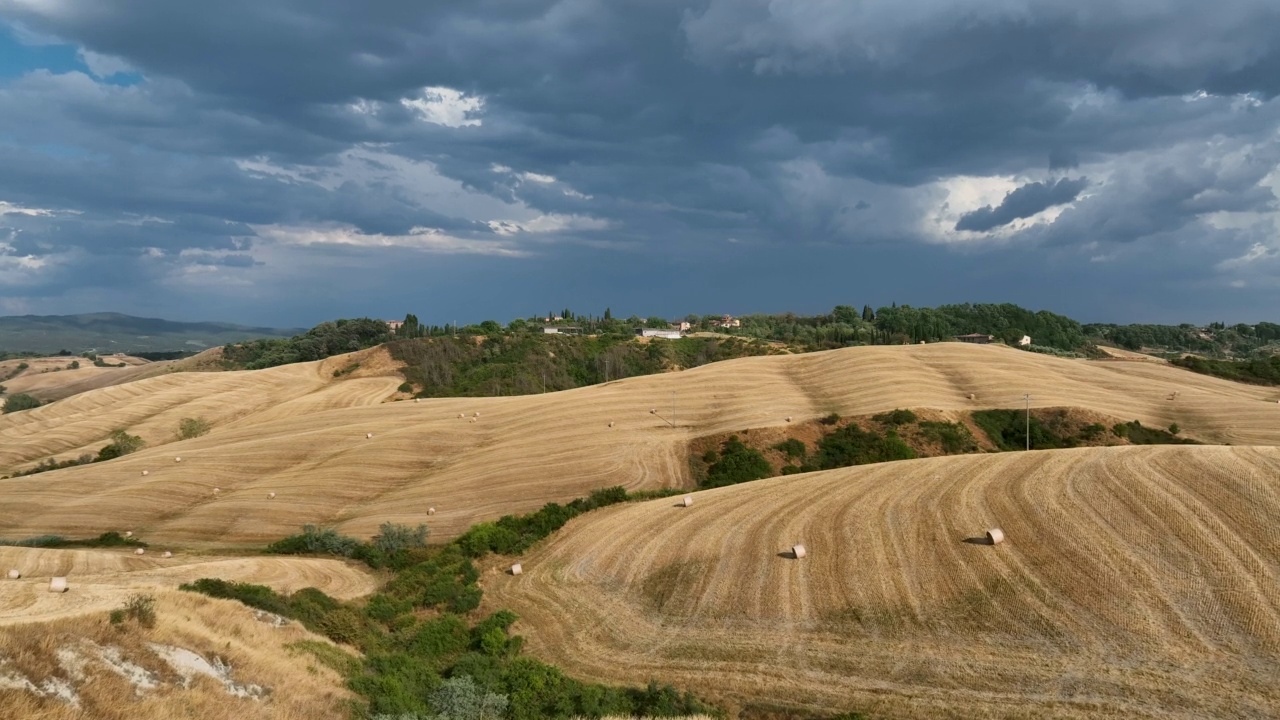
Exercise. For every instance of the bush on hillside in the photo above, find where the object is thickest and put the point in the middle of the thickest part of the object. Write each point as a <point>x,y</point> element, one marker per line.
<point>851,445</point>
<point>122,443</point>
<point>737,464</point>
<point>896,417</point>
<point>19,402</point>
<point>792,447</point>
<point>189,428</point>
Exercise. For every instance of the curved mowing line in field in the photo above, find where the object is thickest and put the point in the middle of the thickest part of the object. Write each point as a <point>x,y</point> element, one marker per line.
<point>1135,582</point>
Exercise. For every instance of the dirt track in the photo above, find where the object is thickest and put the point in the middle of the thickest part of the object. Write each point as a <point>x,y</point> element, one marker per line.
<point>1135,582</point>
<point>299,432</point>
<point>101,579</point>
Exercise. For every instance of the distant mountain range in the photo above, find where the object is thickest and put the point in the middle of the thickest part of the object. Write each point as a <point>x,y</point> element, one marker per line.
<point>113,332</point>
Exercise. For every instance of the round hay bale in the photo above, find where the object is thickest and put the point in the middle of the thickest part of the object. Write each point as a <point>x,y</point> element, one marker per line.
<point>167,554</point>
<point>417,400</point>
<point>140,551</point>
<point>610,423</point>
<point>217,490</point>
<point>788,418</point>
<point>368,436</point>
<point>798,551</point>
<point>145,473</point>
<point>995,536</point>
<point>177,459</point>
<point>972,396</point>
<point>128,533</point>
<point>688,500</point>
<point>476,415</point>
<point>15,574</point>
<point>431,511</point>
<point>653,411</point>
<point>516,569</point>
<point>271,495</point>
<point>58,584</point>
<point>461,415</point>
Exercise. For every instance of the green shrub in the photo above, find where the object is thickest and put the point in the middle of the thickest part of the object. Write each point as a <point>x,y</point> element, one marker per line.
<point>954,438</point>
<point>460,698</point>
<point>1174,429</point>
<point>118,616</point>
<point>189,428</point>
<point>316,540</point>
<point>851,445</point>
<point>895,417</point>
<point>737,464</point>
<point>831,419</point>
<point>1008,430</point>
<point>406,387</point>
<point>122,443</point>
<point>19,402</point>
<point>792,447</point>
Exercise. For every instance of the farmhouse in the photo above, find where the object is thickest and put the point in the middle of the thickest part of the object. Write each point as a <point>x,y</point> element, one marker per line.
<point>561,330</point>
<point>395,325</point>
<point>655,332</point>
<point>1025,341</point>
<point>682,325</point>
<point>726,322</point>
<point>978,338</point>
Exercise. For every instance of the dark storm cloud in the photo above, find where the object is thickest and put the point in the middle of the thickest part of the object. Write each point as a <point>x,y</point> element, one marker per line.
<point>1024,202</point>
<point>647,127</point>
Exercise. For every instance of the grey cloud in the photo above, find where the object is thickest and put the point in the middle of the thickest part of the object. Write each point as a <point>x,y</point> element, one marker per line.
<point>686,123</point>
<point>1023,202</point>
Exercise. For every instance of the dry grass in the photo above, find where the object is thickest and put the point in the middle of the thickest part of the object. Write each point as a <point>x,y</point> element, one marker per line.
<point>299,432</point>
<point>1134,582</point>
<point>301,688</point>
<point>100,580</point>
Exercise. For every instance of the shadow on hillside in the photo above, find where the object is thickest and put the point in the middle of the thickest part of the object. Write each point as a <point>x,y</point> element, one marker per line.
<point>788,555</point>
<point>979,541</point>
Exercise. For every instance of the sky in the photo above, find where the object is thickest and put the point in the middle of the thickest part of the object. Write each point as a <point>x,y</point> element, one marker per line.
<point>287,162</point>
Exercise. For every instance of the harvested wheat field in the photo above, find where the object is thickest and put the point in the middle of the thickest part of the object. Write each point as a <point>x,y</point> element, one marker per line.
<point>1132,582</point>
<point>205,658</point>
<point>100,580</point>
<point>334,453</point>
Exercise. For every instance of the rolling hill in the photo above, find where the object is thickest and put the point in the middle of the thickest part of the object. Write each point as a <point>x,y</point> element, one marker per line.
<point>114,332</point>
<point>1134,582</point>
<point>301,432</point>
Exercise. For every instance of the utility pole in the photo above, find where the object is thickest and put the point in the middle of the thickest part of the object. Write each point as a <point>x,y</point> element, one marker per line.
<point>673,408</point>
<point>1027,397</point>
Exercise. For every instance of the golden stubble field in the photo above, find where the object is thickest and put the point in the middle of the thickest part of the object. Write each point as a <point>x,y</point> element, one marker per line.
<point>302,434</point>
<point>1135,582</point>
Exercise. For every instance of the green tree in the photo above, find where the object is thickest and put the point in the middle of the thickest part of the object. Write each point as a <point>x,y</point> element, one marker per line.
<point>608,314</point>
<point>192,428</point>
<point>868,315</point>
<point>19,402</point>
<point>122,443</point>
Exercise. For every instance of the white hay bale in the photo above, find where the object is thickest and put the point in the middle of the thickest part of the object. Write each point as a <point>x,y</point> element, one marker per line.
<point>15,574</point>
<point>431,511</point>
<point>972,396</point>
<point>516,569</point>
<point>145,473</point>
<point>798,551</point>
<point>177,459</point>
<point>471,419</point>
<point>788,418</point>
<point>610,423</point>
<point>688,500</point>
<point>128,533</point>
<point>476,415</point>
<point>217,490</point>
<point>417,400</point>
<point>140,551</point>
<point>461,415</point>
<point>368,436</point>
<point>271,495</point>
<point>653,411</point>
<point>995,536</point>
<point>58,584</point>
<point>167,554</point>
